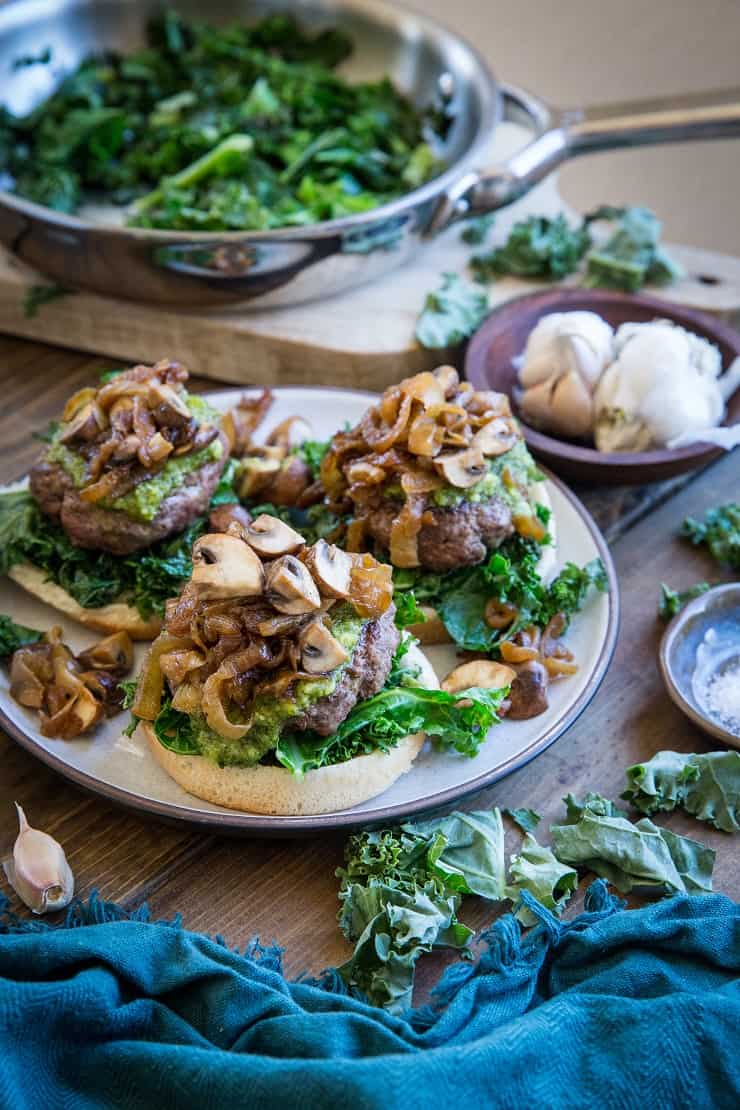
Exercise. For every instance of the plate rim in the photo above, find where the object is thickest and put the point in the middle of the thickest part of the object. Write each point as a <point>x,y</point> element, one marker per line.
<point>235,824</point>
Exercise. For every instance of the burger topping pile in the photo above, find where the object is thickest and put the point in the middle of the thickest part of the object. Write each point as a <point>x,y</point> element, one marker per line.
<point>72,693</point>
<point>258,615</point>
<point>124,433</point>
<point>428,434</point>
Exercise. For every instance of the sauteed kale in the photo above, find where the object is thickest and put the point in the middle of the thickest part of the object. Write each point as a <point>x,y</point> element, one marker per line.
<point>224,128</point>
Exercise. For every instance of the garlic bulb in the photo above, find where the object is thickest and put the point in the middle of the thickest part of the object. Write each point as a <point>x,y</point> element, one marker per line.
<point>564,358</point>
<point>38,870</point>
<point>663,383</point>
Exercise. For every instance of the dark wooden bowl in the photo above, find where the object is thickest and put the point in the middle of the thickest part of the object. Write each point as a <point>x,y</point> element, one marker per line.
<point>489,364</point>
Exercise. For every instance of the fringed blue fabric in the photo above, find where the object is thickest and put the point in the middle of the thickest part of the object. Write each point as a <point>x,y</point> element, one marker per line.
<point>612,1009</point>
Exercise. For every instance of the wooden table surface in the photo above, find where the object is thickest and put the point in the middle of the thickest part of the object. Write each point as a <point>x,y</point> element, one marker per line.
<point>286,889</point>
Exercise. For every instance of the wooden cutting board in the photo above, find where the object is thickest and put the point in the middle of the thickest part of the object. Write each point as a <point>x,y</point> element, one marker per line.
<point>362,339</point>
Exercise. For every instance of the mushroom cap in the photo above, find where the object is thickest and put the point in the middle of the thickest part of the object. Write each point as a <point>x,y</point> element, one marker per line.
<point>290,587</point>
<point>270,536</point>
<point>331,568</point>
<point>484,673</point>
<point>321,652</point>
<point>462,469</point>
<point>225,566</point>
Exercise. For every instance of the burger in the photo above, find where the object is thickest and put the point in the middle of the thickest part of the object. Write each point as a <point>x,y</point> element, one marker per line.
<point>103,531</point>
<point>435,478</point>
<point>280,683</point>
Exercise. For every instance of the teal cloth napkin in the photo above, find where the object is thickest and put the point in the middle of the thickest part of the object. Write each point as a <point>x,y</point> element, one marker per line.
<point>615,1009</point>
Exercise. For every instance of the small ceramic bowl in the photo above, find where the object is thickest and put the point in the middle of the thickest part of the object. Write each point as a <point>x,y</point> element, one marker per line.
<point>701,643</point>
<point>490,364</point>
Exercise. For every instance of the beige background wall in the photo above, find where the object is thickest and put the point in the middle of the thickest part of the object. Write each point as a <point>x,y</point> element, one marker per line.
<point>576,52</point>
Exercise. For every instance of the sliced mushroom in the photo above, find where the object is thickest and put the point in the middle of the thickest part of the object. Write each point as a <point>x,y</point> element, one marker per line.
<point>114,653</point>
<point>254,475</point>
<point>84,425</point>
<point>290,587</point>
<point>449,379</point>
<point>528,694</point>
<point>283,625</point>
<point>321,652</point>
<point>287,486</point>
<point>30,672</point>
<point>479,672</point>
<point>463,468</point>
<point>269,536</point>
<point>106,688</point>
<point>169,408</point>
<point>496,437</point>
<point>77,402</point>
<point>222,516</point>
<point>77,714</point>
<point>225,566</point>
<point>330,567</point>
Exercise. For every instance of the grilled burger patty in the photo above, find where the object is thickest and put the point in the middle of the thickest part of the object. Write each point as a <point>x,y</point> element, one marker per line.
<point>91,526</point>
<point>454,537</point>
<point>364,675</point>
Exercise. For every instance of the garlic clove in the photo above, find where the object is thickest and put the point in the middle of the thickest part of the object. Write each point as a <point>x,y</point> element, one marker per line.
<point>571,407</point>
<point>534,404</point>
<point>38,870</point>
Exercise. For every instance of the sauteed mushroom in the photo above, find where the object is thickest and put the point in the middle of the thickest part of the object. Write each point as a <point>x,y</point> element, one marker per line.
<point>269,536</point>
<point>479,672</point>
<point>462,469</point>
<point>331,568</point>
<point>320,651</point>
<point>225,566</point>
<point>290,587</point>
<point>528,694</point>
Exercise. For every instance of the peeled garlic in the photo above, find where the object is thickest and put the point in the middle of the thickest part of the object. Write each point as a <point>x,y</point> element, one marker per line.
<point>38,870</point>
<point>662,384</point>
<point>564,358</point>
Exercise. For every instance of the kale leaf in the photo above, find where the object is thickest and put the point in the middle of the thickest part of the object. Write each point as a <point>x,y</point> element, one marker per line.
<point>312,451</point>
<point>673,601</point>
<point>706,786</point>
<point>401,890</point>
<point>222,128</point>
<point>536,868</point>
<point>632,256</point>
<point>719,532</point>
<point>539,246</point>
<point>476,229</point>
<point>597,837</point>
<point>38,295</point>
<point>451,313</point>
<point>526,819</point>
<point>14,636</point>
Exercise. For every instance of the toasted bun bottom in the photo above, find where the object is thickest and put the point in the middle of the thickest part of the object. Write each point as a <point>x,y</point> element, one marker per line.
<point>277,791</point>
<point>433,631</point>
<point>116,617</point>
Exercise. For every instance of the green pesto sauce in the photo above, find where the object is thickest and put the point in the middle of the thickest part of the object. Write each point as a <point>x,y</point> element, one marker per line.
<point>142,503</point>
<point>269,715</point>
<point>520,465</point>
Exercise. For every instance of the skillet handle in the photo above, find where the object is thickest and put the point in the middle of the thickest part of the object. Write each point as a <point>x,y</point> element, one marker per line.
<point>560,134</point>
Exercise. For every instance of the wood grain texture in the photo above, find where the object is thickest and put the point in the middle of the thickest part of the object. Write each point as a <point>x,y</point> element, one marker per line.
<point>363,339</point>
<point>286,890</point>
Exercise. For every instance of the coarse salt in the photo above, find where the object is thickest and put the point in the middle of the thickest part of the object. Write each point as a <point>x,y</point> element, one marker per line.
<point>723,697</point>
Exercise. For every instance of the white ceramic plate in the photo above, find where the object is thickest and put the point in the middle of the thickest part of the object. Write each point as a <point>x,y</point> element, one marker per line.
<point>122,770</point>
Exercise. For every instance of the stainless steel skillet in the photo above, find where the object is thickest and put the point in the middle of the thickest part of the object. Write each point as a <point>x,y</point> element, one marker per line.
<point>291,265</point>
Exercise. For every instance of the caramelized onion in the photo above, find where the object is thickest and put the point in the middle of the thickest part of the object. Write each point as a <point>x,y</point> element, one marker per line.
<point>148,699</point>
<point>371,586</point>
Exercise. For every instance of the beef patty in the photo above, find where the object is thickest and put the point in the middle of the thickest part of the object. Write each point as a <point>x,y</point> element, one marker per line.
<point>363,676</point>
<point>113,530</point>
<point>456,537</point>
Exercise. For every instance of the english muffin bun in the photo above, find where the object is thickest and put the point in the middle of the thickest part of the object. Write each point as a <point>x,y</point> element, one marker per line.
<point>277,791</point>
<point>116,617</point>
<point>433,631</point>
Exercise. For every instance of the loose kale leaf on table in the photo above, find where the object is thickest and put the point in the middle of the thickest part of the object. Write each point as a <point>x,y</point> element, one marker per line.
<point>451,313</point>
<point>707,786</point>
<point>538,247</point>
<point>719,532</point>
<point>400,893</point>
<point>673,601</point>
<point>526,819</point>
<point>535,868</point>
<point>597,837</point>
<point>632,256</point>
